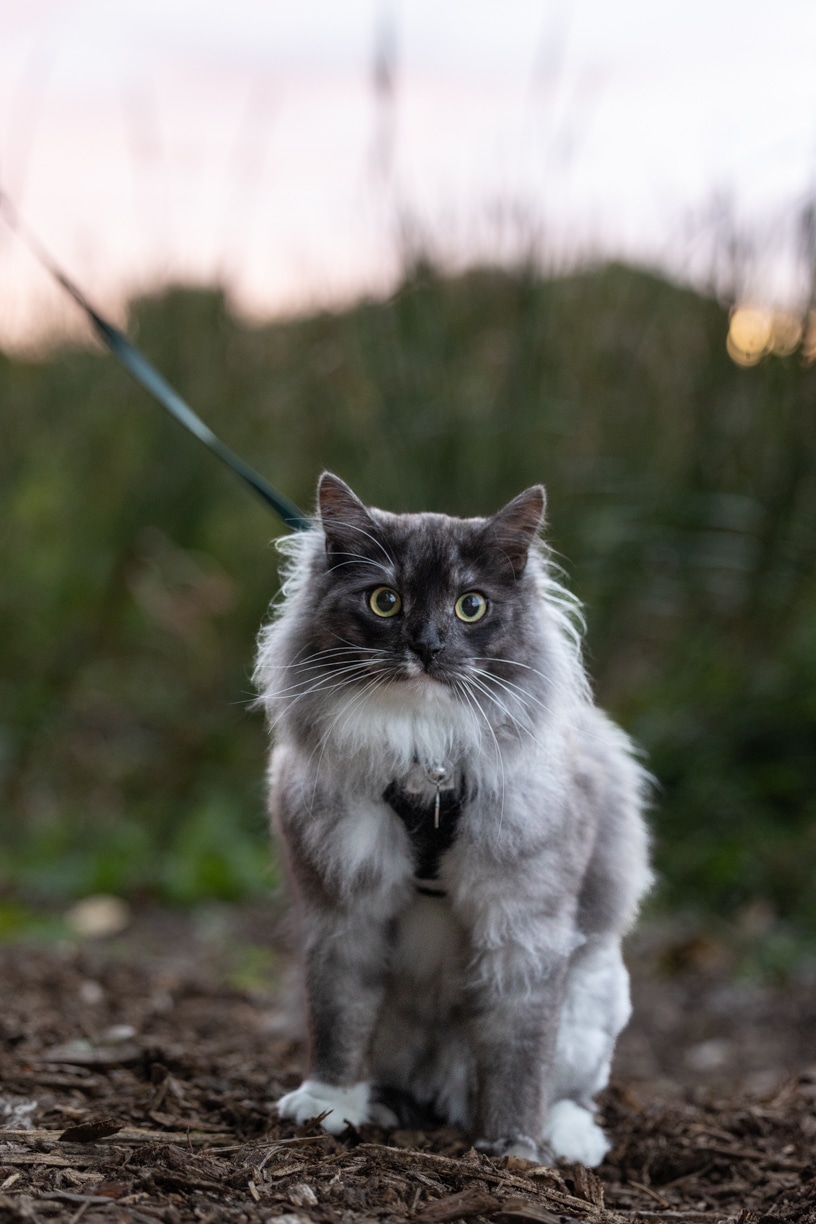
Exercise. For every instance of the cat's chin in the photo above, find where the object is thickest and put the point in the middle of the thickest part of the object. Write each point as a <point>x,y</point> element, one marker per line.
<point>418,680</point>
<point>424,683</point>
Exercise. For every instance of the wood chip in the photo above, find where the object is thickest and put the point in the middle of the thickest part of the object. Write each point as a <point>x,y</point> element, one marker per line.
<point>219,1153</point>
<point>458,1207</point>
<point>90,1132</point>
<point>522,1209</point>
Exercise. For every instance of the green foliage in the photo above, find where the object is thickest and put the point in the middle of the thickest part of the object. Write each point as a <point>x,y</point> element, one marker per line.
<point>136,572</point>
<point>19,921</point>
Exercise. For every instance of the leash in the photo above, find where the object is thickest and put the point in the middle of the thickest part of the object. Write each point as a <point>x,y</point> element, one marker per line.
<point>429,838</point>
<point>148,377</point>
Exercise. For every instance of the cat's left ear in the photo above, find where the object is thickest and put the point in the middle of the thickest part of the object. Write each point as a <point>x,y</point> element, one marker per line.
<point>512,530</point>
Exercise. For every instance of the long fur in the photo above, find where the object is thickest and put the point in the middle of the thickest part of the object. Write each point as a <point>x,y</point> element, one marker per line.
<point>498,1006</point>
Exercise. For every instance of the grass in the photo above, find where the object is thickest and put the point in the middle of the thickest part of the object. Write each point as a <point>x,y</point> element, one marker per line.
<point>682,499</point>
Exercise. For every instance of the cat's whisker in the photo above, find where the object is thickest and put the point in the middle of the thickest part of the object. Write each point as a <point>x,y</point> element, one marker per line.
<point>343,712</point>
<point>463,685</point>
<point>552,681</point>
<point>321,745</point>
<point>548,679</point>
<point>331,522</point>
<point>326,684</point>
<point>324,660</point>
<point>329,652</point>
<point>333,665</point>
<point>502,706</point>
<point>323,740</point>
<point>575,724</point>
<point>506,713</point>
<point>290,700</point>
<point>514,693</point>
<point>355,559</point>
<point>303,673</point>
<point>346,642</point>
<point>458,686</point>
<point>523,696</point>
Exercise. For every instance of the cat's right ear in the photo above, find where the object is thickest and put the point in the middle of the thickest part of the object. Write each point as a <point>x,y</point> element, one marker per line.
<point>348,527</point>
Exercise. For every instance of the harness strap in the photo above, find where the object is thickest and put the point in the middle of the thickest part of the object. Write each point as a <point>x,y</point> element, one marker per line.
<point>429,837</point>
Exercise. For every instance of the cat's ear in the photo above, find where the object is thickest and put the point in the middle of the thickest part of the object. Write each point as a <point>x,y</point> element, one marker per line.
<point>511,531</point>
<point>348,527</point>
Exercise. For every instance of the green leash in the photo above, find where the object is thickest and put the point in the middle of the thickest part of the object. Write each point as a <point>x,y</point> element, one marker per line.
<point>137,365</point>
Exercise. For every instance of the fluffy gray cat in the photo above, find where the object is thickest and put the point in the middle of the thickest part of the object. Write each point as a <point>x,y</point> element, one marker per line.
<point>463,827</point>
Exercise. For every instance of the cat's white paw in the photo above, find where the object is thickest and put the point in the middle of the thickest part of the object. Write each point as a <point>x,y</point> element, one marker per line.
<point>571,1132</point>
<point>313,1098</point>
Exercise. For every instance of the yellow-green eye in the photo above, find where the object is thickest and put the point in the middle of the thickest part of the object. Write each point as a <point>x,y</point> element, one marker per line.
<point>470,607</point>
<point>384,601</point>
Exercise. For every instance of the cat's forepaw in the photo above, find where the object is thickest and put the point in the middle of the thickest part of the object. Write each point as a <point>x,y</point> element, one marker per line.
<point>572,1133</point>
<point>516,1145</point>
<point>341,1105</point>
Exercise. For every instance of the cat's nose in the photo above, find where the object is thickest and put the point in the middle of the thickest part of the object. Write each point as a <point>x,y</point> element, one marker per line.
<point>427,644</point>
<point>426,654</point>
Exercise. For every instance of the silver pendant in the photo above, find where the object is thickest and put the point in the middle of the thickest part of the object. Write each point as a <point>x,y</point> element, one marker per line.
<point>441,778</point>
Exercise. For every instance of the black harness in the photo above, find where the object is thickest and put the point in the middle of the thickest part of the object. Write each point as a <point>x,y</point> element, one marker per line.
<point>431,829</point>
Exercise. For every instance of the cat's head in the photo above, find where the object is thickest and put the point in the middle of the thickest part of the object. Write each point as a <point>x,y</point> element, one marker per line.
<point>418,637</point>
<point>423,597</point>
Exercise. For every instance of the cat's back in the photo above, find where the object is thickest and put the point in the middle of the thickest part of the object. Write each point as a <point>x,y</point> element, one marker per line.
<point>612,787</point>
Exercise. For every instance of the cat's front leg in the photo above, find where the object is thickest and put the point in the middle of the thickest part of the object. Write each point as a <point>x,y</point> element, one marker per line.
<point>346,957</point>
<point>514,1029</point>
<point>351,875</point>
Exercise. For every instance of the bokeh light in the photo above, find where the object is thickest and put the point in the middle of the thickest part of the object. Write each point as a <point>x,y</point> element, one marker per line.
<point>750,334</point>
<point>756,332</point>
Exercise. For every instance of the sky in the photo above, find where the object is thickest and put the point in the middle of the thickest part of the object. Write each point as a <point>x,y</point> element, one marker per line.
<point>298,153</point>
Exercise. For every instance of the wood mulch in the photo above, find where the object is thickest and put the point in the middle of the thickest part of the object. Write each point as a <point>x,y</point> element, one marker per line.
<point>137,1084</point>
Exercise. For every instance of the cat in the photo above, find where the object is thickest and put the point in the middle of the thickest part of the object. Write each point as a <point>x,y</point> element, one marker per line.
<point>463,827</point>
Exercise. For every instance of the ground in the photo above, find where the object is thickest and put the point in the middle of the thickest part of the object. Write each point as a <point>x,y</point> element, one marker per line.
<point>138,1075</point>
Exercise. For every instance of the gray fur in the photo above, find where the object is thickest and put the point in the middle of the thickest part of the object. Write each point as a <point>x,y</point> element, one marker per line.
<point>497,1006</point>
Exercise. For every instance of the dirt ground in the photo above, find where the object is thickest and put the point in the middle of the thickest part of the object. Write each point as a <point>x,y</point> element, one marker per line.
<point>137,1077</point>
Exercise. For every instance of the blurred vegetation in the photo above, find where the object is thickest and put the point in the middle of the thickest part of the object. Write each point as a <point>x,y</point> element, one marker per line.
<point>682,494</point>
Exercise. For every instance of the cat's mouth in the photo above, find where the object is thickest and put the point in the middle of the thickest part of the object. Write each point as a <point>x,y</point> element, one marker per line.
<point>421,676</point>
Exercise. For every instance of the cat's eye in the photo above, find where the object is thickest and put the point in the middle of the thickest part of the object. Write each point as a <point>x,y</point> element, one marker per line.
<point>384,601</point>
<point>470,607</point>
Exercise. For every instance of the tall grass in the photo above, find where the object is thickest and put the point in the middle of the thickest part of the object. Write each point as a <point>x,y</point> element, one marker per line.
<point>682,494</point>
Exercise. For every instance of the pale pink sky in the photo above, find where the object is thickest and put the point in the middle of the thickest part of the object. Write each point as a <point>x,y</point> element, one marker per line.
<point>187,139</point>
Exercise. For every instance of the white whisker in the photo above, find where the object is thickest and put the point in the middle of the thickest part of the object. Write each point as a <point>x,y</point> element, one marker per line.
<point>362,531</point>
<point>462,686</point>
<point>504,709</point>
<point>345,709</point>
<point>514,691</point>
<point>330,683</point>
<point>355,559</point>
<point>336,678</point>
